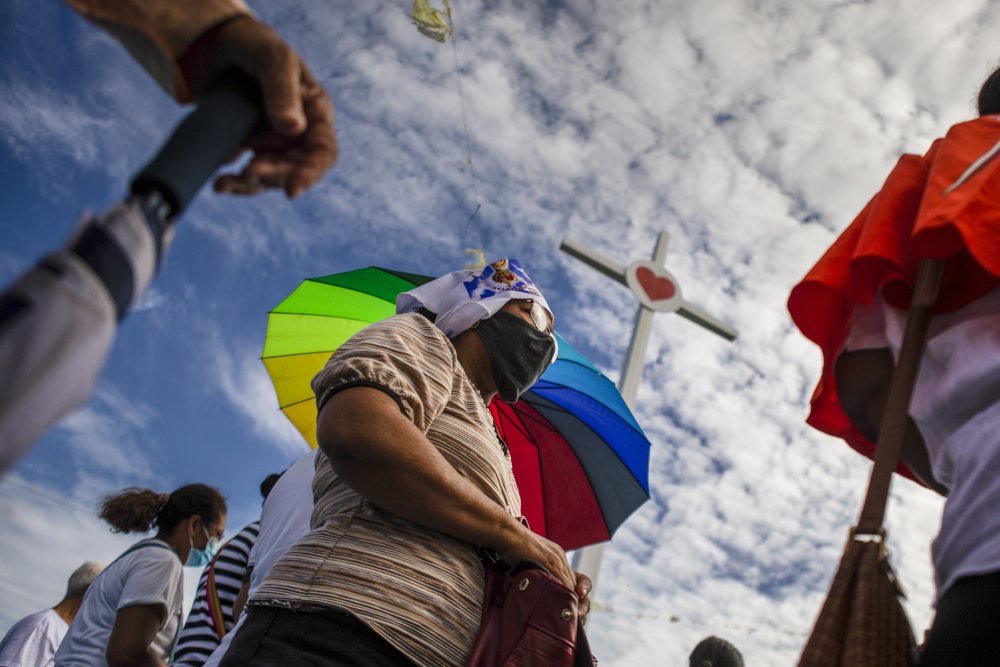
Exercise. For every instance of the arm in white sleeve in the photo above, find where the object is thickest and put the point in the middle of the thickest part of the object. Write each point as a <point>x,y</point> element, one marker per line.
<point>58,320</point>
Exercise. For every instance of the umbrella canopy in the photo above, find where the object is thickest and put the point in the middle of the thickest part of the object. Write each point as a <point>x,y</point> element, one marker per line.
<point>580,459</point>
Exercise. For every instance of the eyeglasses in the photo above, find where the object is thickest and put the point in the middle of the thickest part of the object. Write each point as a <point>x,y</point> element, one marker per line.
<point>539,316</point>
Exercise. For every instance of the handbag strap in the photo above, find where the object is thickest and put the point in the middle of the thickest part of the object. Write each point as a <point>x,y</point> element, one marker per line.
<point>893,428</point>
<point>215,611</point>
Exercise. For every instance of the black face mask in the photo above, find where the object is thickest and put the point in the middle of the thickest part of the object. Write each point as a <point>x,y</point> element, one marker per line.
<point>518,353</point>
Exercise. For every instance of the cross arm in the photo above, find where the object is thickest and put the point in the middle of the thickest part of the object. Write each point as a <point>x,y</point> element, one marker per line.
<point>713,324</point>
<point>596,260</point>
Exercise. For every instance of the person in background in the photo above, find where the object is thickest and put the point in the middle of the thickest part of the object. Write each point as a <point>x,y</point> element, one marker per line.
<point>714,651</point>
<point>211,615</point>
<point>284,520</point>
<point>58,320</point>
<point>411,478</point>
<point>131,614</point>
<point>854,304</point>
<point>32,641</point>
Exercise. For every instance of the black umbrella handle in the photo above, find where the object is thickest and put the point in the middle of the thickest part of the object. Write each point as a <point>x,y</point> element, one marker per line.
<point>205,140</point>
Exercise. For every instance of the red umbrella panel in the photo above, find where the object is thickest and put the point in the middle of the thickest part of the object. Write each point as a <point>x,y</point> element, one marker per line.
<point>580,459</point>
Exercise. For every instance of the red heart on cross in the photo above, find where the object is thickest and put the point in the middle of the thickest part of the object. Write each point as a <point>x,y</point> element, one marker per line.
<point>657,288</point>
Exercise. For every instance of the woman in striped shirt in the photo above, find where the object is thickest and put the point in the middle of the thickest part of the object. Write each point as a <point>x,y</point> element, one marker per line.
<point>411,479</point>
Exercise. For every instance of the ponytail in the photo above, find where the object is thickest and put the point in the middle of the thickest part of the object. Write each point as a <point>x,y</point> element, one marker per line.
<point>135,510</point>
<point>131,510</point>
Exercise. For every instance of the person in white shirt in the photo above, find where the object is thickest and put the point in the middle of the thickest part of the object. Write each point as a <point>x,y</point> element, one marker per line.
<point>283,521</point>
<point>131,614</point>
<point>32,641</point>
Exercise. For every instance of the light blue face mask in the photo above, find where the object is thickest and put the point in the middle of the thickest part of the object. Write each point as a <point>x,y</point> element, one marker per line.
<point>202,557</point>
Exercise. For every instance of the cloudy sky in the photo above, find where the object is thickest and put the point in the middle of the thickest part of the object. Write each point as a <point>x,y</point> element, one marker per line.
<point>751,131</point>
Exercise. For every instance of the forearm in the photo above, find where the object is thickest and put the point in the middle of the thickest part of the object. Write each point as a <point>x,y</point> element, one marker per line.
<point>863,381</point>
<point>914,456</point>
<point>131,640</point>
<point>57,323</point>
<point>158,32</point>
<point>147,658</point>
<point>380,454</point>
<point>241,597</point>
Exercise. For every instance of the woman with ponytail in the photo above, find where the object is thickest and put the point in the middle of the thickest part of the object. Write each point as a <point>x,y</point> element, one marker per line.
<point>131,613</point>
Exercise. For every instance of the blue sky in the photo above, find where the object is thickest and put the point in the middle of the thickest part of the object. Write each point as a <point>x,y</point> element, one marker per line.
<point>751,131</point>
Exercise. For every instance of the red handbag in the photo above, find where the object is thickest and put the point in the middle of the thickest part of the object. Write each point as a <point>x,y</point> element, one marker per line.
<point>530,619</point>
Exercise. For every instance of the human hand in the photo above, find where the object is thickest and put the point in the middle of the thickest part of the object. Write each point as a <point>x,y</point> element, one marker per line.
<point>583,587</point>
<point>546,553</point>
<point>302,143</point>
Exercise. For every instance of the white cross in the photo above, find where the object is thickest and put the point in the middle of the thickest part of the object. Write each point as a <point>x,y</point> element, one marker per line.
<point>657,291</point>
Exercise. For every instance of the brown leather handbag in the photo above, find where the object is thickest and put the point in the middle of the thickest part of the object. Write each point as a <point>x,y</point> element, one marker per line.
<point>530,619</point>
<point>862,623</point>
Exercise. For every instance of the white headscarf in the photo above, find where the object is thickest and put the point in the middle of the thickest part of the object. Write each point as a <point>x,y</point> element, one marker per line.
<point>462,298</point>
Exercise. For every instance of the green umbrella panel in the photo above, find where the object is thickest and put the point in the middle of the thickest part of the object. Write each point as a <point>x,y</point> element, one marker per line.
<point>313,321</point>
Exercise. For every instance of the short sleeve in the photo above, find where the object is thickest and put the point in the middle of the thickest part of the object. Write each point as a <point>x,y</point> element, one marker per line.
<point>154,577</point>
<point>405,356</point>
<point>32,640</point>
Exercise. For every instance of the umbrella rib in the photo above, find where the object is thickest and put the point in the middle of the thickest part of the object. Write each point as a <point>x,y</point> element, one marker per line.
<point>540,422</point>
<point>298,354</point>
<point>518,418</point>
<point>365,320</point>
<point>515,419</point>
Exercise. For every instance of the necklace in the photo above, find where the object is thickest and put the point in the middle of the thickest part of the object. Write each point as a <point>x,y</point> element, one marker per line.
<point>503,444</point>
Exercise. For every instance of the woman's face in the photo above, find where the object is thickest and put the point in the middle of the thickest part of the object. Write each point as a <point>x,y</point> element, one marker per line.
<point>202,532</point>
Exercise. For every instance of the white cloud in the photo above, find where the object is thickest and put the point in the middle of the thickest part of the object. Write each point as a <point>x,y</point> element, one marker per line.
<point>109,439</point>
<point>243,380</point>
<point>153,298</point>
<point>44,542</point>
<point>35,119</point>
<point>752,132</point>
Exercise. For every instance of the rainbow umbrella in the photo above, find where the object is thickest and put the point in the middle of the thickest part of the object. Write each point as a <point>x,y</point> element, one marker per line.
<point>580,459</point>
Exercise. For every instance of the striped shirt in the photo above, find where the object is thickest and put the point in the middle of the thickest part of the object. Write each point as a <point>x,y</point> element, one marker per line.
<point>419,589</point>
<point>199,637</point>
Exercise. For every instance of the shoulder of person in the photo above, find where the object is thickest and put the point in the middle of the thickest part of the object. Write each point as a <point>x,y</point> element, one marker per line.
<point>50,619</point>
<point>406,332</point>
<point>150,552</point>
<point>407,324</point>
<point>243,540</point>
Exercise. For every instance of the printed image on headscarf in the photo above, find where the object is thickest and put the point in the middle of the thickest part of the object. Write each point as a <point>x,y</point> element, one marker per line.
<point>505,275</point>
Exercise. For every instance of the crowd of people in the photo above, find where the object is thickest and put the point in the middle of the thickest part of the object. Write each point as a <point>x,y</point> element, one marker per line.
<point>369,550</point>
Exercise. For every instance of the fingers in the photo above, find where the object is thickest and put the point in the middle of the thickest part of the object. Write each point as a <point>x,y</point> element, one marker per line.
<point>294,172</point>
<point>302,144</point>
<point>550,555</point>
<point>583,584</point>
<point>292,164</point>
<point>565,573</point>
<point>280,80</point>
<point>259,50</point>
<point>583,588</point>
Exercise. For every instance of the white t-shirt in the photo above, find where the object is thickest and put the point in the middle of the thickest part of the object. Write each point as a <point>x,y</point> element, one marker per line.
<point>284,519</point>
<point>148,573</point>
<point>33,640</point>
<point>956,406</point>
